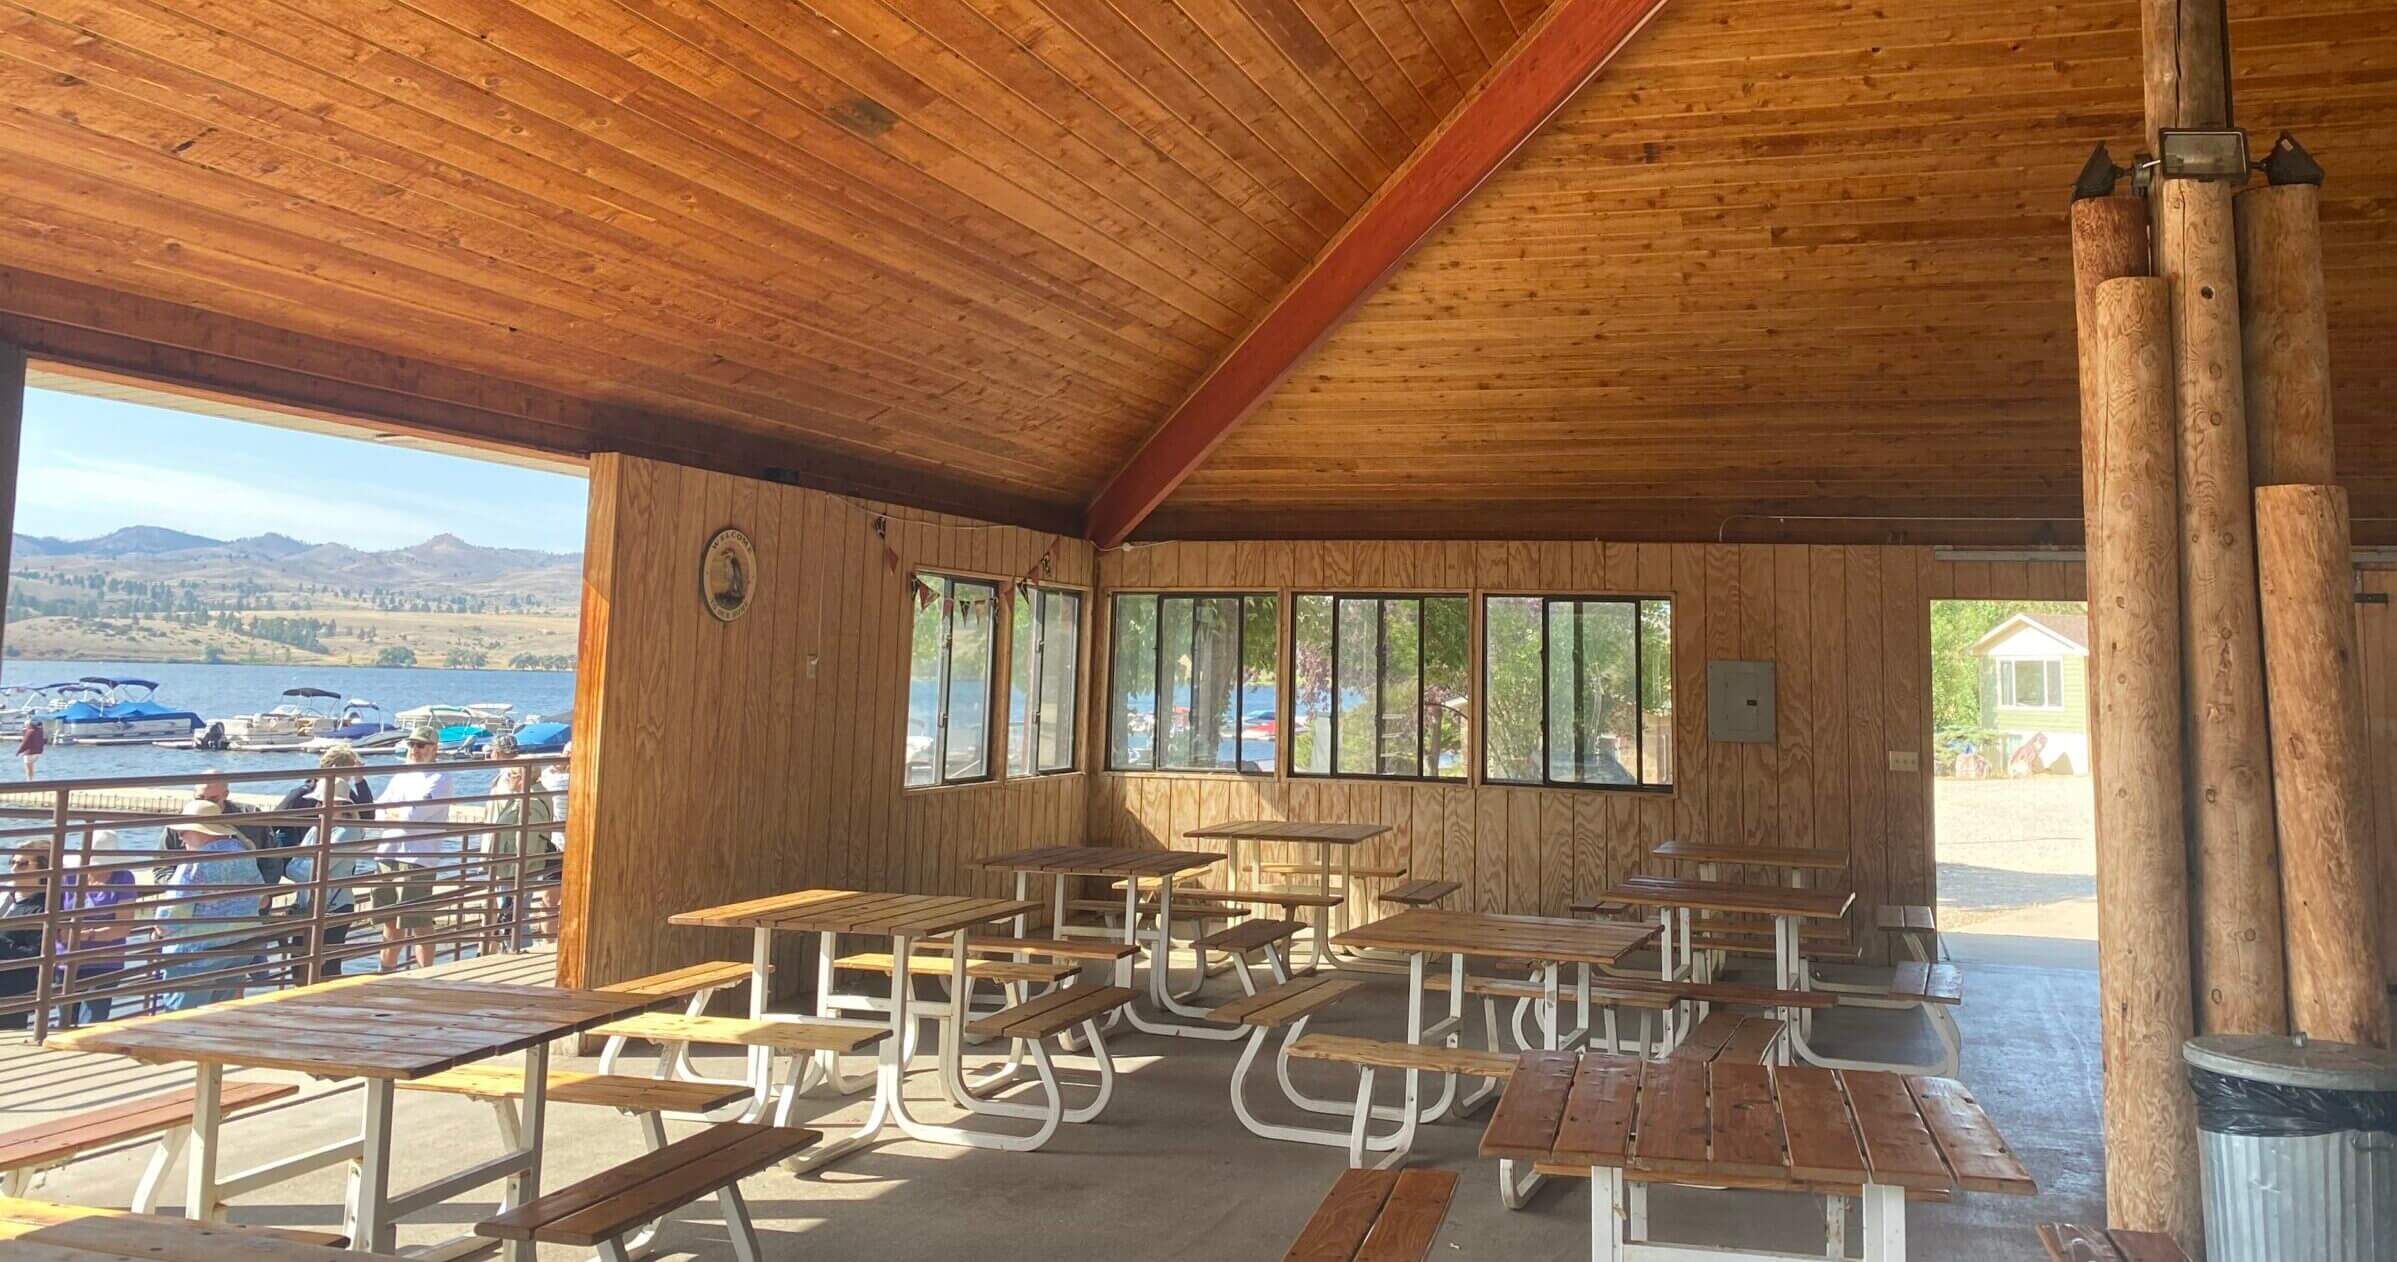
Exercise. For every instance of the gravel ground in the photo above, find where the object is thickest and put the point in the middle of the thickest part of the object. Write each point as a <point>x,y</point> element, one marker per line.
<point>2017,856</point>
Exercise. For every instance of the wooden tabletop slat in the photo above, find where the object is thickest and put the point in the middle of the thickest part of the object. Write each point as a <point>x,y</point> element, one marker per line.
<point>400,1028</point>
<point>857,912</point>
<point>1674,1119</point>
<point>1897,1145</point>
<point>1968,1140</point>
<point>1817,1126</point>
<point>1744,1125</point>
<point>1290,830</point>
<point>1823,860</point>
<point>1491,936</point>
<point>1600,1110</point>
<point>1792,1128</point>
<point>1100,861</point>
<point>1730,896</point>
<point>32,1230</point>
<point>1526,1120</point>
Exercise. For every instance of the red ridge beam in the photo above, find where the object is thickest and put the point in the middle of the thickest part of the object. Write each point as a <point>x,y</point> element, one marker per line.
<point>1567,47</point>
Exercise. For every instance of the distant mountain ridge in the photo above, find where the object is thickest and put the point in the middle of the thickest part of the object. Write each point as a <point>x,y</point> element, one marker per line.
<point>444,563</point>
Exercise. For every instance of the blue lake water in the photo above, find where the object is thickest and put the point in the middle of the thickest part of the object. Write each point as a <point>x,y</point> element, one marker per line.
<point>216,692</point>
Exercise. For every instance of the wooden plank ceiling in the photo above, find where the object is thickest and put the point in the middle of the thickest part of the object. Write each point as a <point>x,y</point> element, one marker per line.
<point>1784,256</point>
<point>991,239</point>
<point>1802,257</point>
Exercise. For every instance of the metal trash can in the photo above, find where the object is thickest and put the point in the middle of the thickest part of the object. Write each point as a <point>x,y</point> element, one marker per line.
<point>2298,1144</point>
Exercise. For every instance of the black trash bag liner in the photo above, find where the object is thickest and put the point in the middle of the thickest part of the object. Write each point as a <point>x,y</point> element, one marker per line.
<point>2271,1110</point>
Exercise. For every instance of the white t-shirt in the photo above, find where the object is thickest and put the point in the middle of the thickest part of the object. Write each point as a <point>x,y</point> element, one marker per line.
<point>404,798</point>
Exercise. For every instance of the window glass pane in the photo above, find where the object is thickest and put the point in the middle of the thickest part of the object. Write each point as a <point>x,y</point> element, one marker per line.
<point>1513,691</point>
<point>1173,709</point>
<point>1401,694</point>
<point>1311,685</point>
<point>1132,685</point>
<point>923,678</point>
<point>968,736</point>
<point>1605,697</point>
<point>1656,692</point>
<point>1564,729</point>
<point>1260,686</point>
<point>1060,677</point>
<point>1445,681</point>
<point>1214,683</point>
<point>2054,695</point>
<point>1359,630</point>
<point>1020,653</point>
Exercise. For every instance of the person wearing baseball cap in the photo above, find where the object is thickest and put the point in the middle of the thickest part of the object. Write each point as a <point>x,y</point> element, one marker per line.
<point>212,905</point>
<point>414,801</point>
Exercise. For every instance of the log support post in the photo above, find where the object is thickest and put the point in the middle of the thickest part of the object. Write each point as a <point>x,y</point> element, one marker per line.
<point>2142,856</point>
<point>12,435</point>
<point>2319,753</point>
<point>2286,333</point>
<point>2233,856</point>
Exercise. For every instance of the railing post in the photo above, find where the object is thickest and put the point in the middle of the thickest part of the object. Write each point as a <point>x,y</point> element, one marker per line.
<point>520,926</point>
<point>53,878</point>
<point>320,890</point>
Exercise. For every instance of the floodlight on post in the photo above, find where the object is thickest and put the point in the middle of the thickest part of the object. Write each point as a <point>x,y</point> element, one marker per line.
<point>2287,162</point>
<point>2202,153</point>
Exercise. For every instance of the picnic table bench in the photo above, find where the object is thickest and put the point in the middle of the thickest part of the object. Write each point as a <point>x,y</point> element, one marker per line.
<point>1326,837</point>
<point>1162,872</point>
<point>1377,1216</point>
<point>1840,1134</point>
<point>41,1231</point>
<point>28,1151</point>
<point>601,1211</point>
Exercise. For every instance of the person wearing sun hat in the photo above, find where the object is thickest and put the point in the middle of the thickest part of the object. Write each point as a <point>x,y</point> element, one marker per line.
<point>211,906</point>
<point>414,801</point>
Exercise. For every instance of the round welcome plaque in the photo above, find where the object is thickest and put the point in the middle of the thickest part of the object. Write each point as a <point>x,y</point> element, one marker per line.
<point>728,574</point>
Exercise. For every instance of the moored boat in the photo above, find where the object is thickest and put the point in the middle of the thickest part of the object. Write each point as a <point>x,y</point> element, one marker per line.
<point>121,712</point>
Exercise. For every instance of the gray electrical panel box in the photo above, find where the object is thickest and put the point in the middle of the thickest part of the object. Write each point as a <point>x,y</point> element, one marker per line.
<point>1739,701</point>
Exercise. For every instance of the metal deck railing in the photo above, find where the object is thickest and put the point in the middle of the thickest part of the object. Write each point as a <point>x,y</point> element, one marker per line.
<point>97,938</point>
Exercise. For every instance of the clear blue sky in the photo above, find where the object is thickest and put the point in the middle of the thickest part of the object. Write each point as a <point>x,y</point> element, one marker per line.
<point>93,465</point>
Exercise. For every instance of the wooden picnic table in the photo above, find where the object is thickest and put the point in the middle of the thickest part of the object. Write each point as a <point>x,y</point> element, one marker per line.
<point>1835,1133</point>
<point>1327,836</point>
<point>903,918</point>
<point>1676,900</point>
<point>1548,942</point>
<point>1060,864</point>
<point>43,1231</point>
<point>382,1030</point>
<point>1798,863</point>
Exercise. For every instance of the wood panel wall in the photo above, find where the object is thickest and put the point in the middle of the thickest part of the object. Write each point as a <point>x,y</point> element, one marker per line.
<point>1848,628</point>
<point>716,762</point>
<point>2376,644</point>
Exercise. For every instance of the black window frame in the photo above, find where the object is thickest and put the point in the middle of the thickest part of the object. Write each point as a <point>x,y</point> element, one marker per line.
<point>1158,715</point>
<point>1381,641</point>
<point>1638,703</point>
<point>1032,595</point>
<point>992,757</point>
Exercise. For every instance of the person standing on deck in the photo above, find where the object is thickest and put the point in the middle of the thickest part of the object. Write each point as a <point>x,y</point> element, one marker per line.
<point>31,743</point>
<point>98,922</point>
<point>344,865</point>
<point>414,799</point>
<point>21,926</point>
<point>212,907</point>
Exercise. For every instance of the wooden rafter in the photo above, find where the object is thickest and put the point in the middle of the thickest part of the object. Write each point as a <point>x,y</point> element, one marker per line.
<point>1569,44</point>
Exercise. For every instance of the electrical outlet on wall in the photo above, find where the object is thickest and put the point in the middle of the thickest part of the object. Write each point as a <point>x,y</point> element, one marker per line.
<point>1905,760</point>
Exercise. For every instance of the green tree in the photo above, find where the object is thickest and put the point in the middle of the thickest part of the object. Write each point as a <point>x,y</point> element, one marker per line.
<point>396,655</point>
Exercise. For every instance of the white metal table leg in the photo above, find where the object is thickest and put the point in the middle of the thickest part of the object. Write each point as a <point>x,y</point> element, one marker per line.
<point>737,1224</point>
<point>200,1203</point>
<point>377,1230</point>
<point>1884,1223</point>
<point>525,1185</point>
<point>1607,1214</point>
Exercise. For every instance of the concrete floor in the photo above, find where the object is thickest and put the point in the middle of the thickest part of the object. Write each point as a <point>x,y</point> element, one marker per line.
<point>1168,1172</point>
